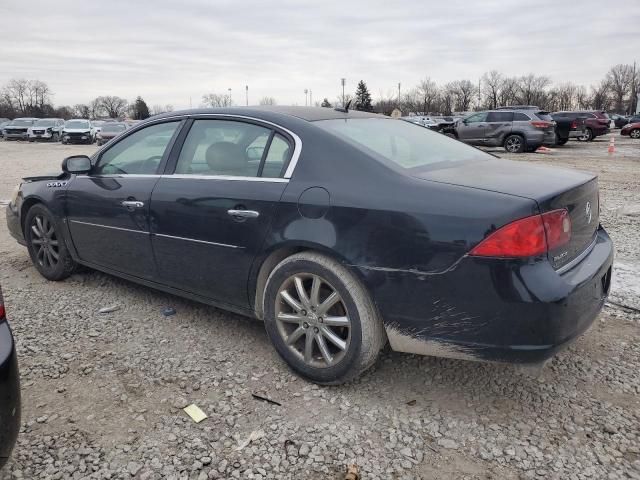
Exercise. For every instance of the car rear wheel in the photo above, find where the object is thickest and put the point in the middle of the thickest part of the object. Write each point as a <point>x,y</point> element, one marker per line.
<point>321,320</point>
<point>635,133</point>
<point>514,144</point>
<point>587,137</point>
<point>46,246</point>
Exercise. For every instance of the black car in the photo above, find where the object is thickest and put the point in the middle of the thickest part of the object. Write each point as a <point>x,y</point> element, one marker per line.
<point>341,230</point>
<point>9,389</point>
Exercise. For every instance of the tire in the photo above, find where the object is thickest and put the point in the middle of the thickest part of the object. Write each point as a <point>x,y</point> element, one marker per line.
<point>562,141</point>
<point>514,144</point>
<point>55,137</point>
<point>42,248</point>
<point>64,142</point>
<point>362,339</point>
<point>635,133</point>
<point>587,137</point>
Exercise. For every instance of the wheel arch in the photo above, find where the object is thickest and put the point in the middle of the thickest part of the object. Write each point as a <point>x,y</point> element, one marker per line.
<point>264,265</point>
<point>26,205</point>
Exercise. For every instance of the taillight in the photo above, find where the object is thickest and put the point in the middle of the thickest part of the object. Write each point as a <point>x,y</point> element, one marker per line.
<point>574,124</point>
<point>2,311</point>
<point>541,123</point>
<point>527,237</point>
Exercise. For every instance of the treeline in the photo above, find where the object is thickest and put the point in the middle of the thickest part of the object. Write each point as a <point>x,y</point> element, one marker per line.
<point>33,98</point>
<point>616,92</point>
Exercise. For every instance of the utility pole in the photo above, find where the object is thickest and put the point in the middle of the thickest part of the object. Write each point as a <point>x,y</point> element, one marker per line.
<point>306,97</point>
<point>343,81</point>
<point>479,95</point>
<point>230,100</point>
<point>310,98</point>
<point>246,89</point>
<point>633,90</point>
<point>398,94</point>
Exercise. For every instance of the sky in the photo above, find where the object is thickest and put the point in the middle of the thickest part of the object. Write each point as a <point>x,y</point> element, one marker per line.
<point>173,51</point>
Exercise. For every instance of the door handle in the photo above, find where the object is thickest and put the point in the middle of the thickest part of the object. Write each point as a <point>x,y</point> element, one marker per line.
<point>243,213</point>
<point>131,204</point>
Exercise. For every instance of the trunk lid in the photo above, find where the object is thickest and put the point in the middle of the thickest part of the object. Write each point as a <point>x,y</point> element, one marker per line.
<point>550,187</point>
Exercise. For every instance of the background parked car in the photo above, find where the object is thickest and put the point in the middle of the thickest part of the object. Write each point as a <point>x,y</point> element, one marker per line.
<point>567,128</point>
<point>18,127</point>
<point>3,122</point>
<point>631,129</point>
<point>631,119</point>
<point>517,130</point>
<point>9,388</point>
<point>46,129</point>
<point>78,130</point>
<point>596,123</point>
<point>108,131</point>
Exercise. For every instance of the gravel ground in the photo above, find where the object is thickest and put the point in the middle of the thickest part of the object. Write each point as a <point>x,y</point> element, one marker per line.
<point>103,393</point>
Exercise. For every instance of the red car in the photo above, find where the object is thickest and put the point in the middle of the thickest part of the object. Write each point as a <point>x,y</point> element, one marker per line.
<point>631,129</point>
<point>596,122</point>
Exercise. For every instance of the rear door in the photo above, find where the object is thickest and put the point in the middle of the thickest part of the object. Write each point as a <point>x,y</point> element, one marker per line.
<point>108,210</point>
<point>211,215</point>
<point>498,127</point>
<point>471,129</point>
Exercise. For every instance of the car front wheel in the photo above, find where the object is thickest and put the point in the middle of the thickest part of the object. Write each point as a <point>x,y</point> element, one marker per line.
<point>321,320</point>
<point>635,133</point>
<point>46,246</point>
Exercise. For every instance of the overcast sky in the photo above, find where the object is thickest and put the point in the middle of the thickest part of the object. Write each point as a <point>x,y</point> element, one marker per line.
<point>171,51</point>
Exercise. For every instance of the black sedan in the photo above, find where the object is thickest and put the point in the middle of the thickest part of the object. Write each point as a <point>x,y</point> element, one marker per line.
<point>341,230</point>
<point>9,389</point>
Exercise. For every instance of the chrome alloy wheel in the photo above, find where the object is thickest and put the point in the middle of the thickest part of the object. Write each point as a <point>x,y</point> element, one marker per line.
<point>513,144</point>
<point>45,242</point>
<point>312,319</point>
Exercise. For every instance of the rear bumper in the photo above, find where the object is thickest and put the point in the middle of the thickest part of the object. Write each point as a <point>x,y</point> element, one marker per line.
<point>492,309</point>
<point>576,133</point>
<point>9,393</point>
<point>13,224</point>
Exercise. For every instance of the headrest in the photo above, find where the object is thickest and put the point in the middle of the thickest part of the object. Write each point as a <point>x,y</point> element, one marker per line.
<point>226,156</point>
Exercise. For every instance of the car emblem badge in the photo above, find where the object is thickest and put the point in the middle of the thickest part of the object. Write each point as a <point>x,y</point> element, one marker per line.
<point>587,211</point>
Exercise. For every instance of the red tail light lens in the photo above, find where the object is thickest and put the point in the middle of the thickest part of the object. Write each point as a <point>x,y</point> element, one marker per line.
<point>2,313</point>
<point>527,237</point>
<point>541,124</point>
<point>574,124</point>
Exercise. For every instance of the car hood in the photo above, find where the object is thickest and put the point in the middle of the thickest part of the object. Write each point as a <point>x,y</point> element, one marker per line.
<point>77,130</point>
<point>631,125</point>
<point>522,179</point>
<point>46,176</point>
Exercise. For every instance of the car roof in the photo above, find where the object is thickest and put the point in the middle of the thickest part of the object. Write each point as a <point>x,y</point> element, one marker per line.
<point>310,114</point>
<point>78,119</point>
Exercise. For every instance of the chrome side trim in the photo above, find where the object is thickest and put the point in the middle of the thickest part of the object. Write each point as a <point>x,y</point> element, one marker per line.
<point>109,227</point>
<point>578,259</point>
<point>120,175</point>
<point>227,177</point>
<point>196,241</point>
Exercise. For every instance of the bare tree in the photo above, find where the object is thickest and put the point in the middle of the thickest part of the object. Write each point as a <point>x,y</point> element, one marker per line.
<point>268,101</point>
<point>112,106</point>
<point>16,93</point>
<point>81,110</point>
<point>508,92</point>
<point>427,91</point>
<point>620,79</point>
<point>600,98</point>
<point>531,89</point>
<point>462,92</point>
<point>493,82</point>
<point>582,97</point>
<point>216,100</point>
<point>158,109</point>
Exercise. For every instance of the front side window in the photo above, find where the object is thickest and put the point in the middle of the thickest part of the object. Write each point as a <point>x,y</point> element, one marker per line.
<point>139,153</point>
<point>231,148</point>
<point>477,117</point>
<point>402,144</point>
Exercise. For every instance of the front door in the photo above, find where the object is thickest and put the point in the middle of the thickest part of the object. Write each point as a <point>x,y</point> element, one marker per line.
<point>108,210</point>
<point>498,127</point>
<point>210,218</point>
<point>471,129</point>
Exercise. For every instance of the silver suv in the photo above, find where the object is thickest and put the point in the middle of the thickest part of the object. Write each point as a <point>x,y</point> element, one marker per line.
<point>517,130</point>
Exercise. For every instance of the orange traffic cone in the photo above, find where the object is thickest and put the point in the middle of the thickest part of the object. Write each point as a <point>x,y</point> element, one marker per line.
<point>612,145</point>
<point>543,149</point>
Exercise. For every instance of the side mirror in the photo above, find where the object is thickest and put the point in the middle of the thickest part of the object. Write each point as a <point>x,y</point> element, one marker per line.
<point>76,164</point>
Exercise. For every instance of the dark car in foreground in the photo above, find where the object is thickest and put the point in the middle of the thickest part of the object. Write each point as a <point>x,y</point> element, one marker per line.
<point>9,388</point>
<point>18,128</point>
<point>596,122</point>
<point>108,131</point>
<point>631,129</point>
<point>340,230</point>
<point>517,130</point>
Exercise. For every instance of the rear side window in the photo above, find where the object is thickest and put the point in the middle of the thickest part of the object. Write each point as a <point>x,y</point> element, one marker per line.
<point>520,117</point>
<point>232,148</point>
<point>500,117</point>
<point>544,116</point>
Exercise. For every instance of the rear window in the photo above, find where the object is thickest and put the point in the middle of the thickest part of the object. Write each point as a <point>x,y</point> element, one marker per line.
<point>402,144</point>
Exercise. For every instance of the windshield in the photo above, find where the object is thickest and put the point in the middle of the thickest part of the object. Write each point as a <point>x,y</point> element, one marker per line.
<point>76,124</point>
<point>114,127</point>
<point>47,122</point>
<point>21,123</point>
<point>404,144</point>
